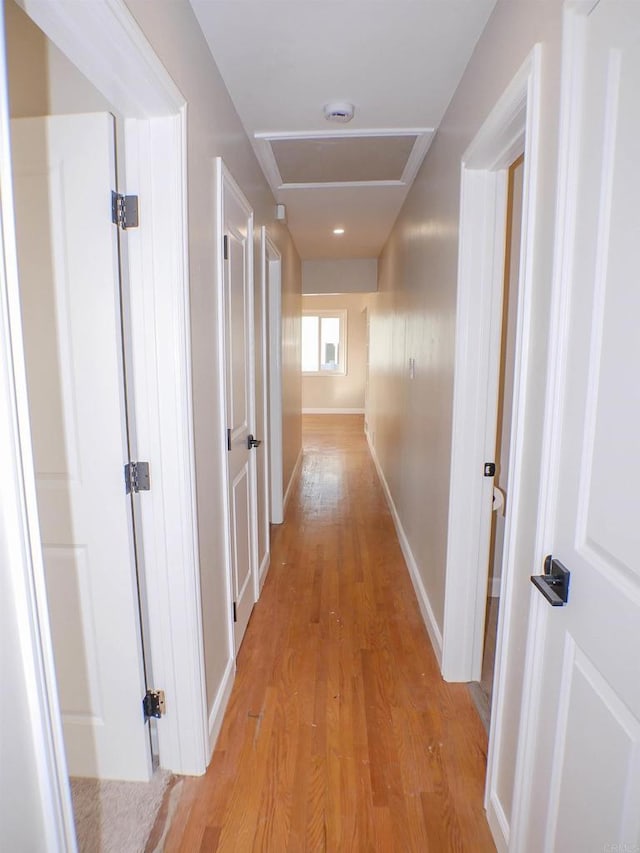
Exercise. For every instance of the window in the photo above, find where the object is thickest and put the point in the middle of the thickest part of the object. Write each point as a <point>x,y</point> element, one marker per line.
<point>324,342</point>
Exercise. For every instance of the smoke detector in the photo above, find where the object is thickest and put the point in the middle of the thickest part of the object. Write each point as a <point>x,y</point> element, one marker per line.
<point>341,111</point>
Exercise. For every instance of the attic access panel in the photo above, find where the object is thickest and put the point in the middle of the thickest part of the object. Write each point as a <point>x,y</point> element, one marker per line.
<point>347,159</point>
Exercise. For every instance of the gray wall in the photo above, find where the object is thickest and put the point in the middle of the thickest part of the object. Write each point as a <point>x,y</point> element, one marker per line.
<point>345,276</point>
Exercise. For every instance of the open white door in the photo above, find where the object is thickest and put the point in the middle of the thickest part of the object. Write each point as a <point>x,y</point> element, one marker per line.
<point>237,222</point>
<point>63,169</point>
<point>581,774</point>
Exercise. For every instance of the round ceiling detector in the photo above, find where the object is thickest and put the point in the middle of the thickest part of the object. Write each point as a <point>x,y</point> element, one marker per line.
<point>341,111</point>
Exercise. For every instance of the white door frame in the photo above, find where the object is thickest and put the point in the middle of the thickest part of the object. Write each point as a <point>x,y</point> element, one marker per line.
<point>267,250</point>
<point>20,546</point>
<point>276,475</point>
<point>104,42</point>
<point>224,181</point>
<point>513,127</point>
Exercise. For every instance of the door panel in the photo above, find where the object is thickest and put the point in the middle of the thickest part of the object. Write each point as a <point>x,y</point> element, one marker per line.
<point>240,403</point>
<point>68,265</point>
<point>68,573</point>
<point>241,524</point>
<point>237,318</point>
<point>586,780</point>
<point>586,696</point>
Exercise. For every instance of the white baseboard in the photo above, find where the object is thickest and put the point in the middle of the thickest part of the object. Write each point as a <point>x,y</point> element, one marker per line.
<point>333,411</point>
<point>264,568</point>
<point>498,824</point>
<point>421,593</point>
<point>220,704</point>
<point>292,480</point>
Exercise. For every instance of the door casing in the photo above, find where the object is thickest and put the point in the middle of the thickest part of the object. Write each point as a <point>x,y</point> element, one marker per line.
<point>272,283</point>
<point>512,127</point>
<point>270,267</point>
<point>154,111</point>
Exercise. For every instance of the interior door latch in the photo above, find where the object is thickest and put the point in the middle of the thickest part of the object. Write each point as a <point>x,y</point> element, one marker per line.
<point>554,583</point>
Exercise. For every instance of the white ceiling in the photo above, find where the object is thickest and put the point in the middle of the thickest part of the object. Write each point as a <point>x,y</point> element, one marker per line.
<point>397,61</point>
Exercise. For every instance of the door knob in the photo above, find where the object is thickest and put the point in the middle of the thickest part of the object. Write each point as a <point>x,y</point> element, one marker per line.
<point>253,442</point>
<point>554,583</point>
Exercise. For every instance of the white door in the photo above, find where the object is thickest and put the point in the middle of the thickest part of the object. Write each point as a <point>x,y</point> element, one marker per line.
<point>240,401</point>
<point>63,170</point>
<point>585,758</point>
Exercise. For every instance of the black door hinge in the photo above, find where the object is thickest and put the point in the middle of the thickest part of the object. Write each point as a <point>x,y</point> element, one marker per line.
<point>228,439</point>
<point>124,210</point>
<point>225,247</point>
<point>153,704</point>
<point>235,612</point>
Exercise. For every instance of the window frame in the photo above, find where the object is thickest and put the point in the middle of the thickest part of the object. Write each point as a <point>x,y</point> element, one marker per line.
<point>341,314</point>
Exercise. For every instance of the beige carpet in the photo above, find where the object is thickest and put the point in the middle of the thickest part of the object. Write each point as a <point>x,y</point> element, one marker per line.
<point>117,817</point>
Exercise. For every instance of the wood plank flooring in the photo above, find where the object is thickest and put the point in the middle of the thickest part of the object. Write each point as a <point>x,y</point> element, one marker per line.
<point>340,734</point>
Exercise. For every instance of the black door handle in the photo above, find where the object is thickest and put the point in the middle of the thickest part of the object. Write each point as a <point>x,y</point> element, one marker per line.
<point>253,442</point>
<point>554,583</point>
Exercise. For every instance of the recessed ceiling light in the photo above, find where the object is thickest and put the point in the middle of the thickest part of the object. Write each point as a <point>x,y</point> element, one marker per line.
<point>338,230</point>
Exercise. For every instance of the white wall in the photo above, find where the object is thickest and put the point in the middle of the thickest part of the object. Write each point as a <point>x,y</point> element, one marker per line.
<point>413,316</point>
<point>42,81</point>
<point>346,276</point>
<point>340,392</point>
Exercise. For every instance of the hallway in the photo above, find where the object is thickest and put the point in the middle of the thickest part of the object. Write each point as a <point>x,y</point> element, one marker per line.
<point>340,734</point>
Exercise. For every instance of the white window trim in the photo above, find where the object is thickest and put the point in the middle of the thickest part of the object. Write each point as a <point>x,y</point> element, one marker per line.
<point>341,313</point>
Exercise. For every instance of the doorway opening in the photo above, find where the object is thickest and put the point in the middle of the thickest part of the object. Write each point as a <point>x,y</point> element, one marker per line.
<point>481,690</point>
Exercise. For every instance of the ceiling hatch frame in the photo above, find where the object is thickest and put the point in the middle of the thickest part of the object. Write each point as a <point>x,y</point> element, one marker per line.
<point>264,151</point>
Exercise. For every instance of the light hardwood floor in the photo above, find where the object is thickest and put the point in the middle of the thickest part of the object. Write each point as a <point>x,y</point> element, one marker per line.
<point>340,734</point>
